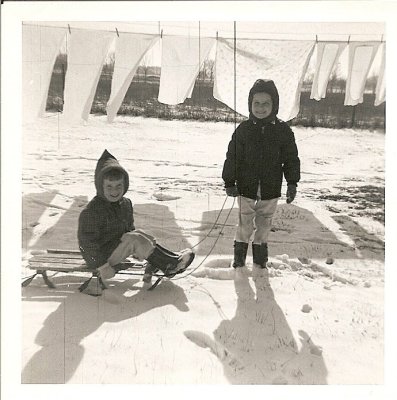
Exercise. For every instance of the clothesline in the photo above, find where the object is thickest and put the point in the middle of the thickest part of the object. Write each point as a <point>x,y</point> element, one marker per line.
<point>231,31</point>
<point>285,62</point>
<point>161,33</point>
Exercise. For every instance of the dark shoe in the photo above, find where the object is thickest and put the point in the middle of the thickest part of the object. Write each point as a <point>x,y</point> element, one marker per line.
<point>260,254</point>
<point>240,254</point>
<point>170,263</point>
<point>93,287</point>
<point>148,274</point>
<point>185,259</point>
<point>147,278</point>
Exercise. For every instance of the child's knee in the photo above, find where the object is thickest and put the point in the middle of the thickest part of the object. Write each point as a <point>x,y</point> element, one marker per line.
<point>142,245</point>
<point>128,237</point>
<point>146,235</point>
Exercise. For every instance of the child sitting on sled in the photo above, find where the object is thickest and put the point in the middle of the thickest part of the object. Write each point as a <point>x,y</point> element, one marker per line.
<point>106,231</point>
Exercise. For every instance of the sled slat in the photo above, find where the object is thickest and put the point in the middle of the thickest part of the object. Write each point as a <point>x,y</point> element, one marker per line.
<point>71,256</point>
<point>43,263</point>
<point>60,267</point>
<point>77,261</point>
<point>57,260</point>
<point>69,261</point>
<point>68,251</point>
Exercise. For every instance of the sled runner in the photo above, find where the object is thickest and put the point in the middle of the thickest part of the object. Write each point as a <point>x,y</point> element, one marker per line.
<point>69,261</point>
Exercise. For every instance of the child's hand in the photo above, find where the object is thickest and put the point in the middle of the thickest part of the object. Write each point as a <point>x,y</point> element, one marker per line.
<point>232,191</point>
<point>291,193</point>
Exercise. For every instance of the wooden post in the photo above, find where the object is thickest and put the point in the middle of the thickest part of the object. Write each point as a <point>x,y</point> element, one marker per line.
<point>353,121</point>
<point>63,83</point>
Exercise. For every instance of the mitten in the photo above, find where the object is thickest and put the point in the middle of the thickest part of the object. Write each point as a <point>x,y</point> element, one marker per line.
<point>232,191</point>
<point>291,192</point>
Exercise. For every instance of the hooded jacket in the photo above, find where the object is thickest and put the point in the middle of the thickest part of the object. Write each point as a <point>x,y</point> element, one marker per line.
<point>262,151</point>
<point>102,223</point>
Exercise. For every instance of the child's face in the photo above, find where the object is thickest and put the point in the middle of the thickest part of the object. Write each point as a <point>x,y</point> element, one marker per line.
<point>262,105</point>
<point>113,190</point>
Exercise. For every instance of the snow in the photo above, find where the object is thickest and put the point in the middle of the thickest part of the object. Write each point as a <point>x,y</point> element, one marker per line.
<point>316,316</point>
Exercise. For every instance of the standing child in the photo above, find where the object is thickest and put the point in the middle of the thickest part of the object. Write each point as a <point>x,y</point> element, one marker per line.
<point>261,151</point>
<point>106,231</point>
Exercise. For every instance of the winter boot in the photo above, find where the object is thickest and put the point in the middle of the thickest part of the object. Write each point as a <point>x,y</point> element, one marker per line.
<point>148,274</point>
<point>260,254</point>
<point>168,262</point>
<point>240,254</point>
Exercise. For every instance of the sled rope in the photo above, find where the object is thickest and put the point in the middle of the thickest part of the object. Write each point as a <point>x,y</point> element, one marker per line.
<point>213,226</point>
<point>160,277</point>
<point>212,248</point>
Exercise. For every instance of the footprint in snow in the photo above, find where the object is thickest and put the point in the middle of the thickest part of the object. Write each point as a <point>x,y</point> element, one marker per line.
<point>164,197</point>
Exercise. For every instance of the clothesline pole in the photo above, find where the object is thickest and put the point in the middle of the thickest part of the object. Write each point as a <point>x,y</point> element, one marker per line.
<point>199,47</point>
<point>353,121</point>
<point>235,96</point>
<point>59,139</point>
<point>63,84</point>
<point>235,74</point>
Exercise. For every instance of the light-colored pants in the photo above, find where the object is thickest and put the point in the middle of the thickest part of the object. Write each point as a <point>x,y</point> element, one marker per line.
<point>255,215</point>
<point>136,244</point>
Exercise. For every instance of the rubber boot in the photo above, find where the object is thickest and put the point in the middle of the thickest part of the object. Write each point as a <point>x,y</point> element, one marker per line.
<point>240,254</point>
<point>148,274</point>
<point>260,254</point>
<point>168,262</point>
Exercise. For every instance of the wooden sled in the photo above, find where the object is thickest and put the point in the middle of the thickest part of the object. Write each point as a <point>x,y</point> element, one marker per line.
<point>69,261</point>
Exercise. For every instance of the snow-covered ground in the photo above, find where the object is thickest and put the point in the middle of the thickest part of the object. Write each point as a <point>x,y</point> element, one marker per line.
<point>305,322</point>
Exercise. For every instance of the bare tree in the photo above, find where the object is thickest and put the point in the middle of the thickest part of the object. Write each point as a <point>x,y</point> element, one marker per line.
<point>370,85</point>
<point>108,66</point>
<point>208,69</point>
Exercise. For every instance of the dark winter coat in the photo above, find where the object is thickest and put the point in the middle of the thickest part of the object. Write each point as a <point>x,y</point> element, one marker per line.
<point>102,223</point>
<point>261,152</point>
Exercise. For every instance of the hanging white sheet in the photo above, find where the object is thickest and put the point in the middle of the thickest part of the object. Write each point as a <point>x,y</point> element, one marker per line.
<point>40,46</point>
<point>283,61</point>
<point>361,56</point>
<point>181,60</point>
<point>86,55</point>
<point>328,54</point>
<point>380,91</point>
<point>130,49</point>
